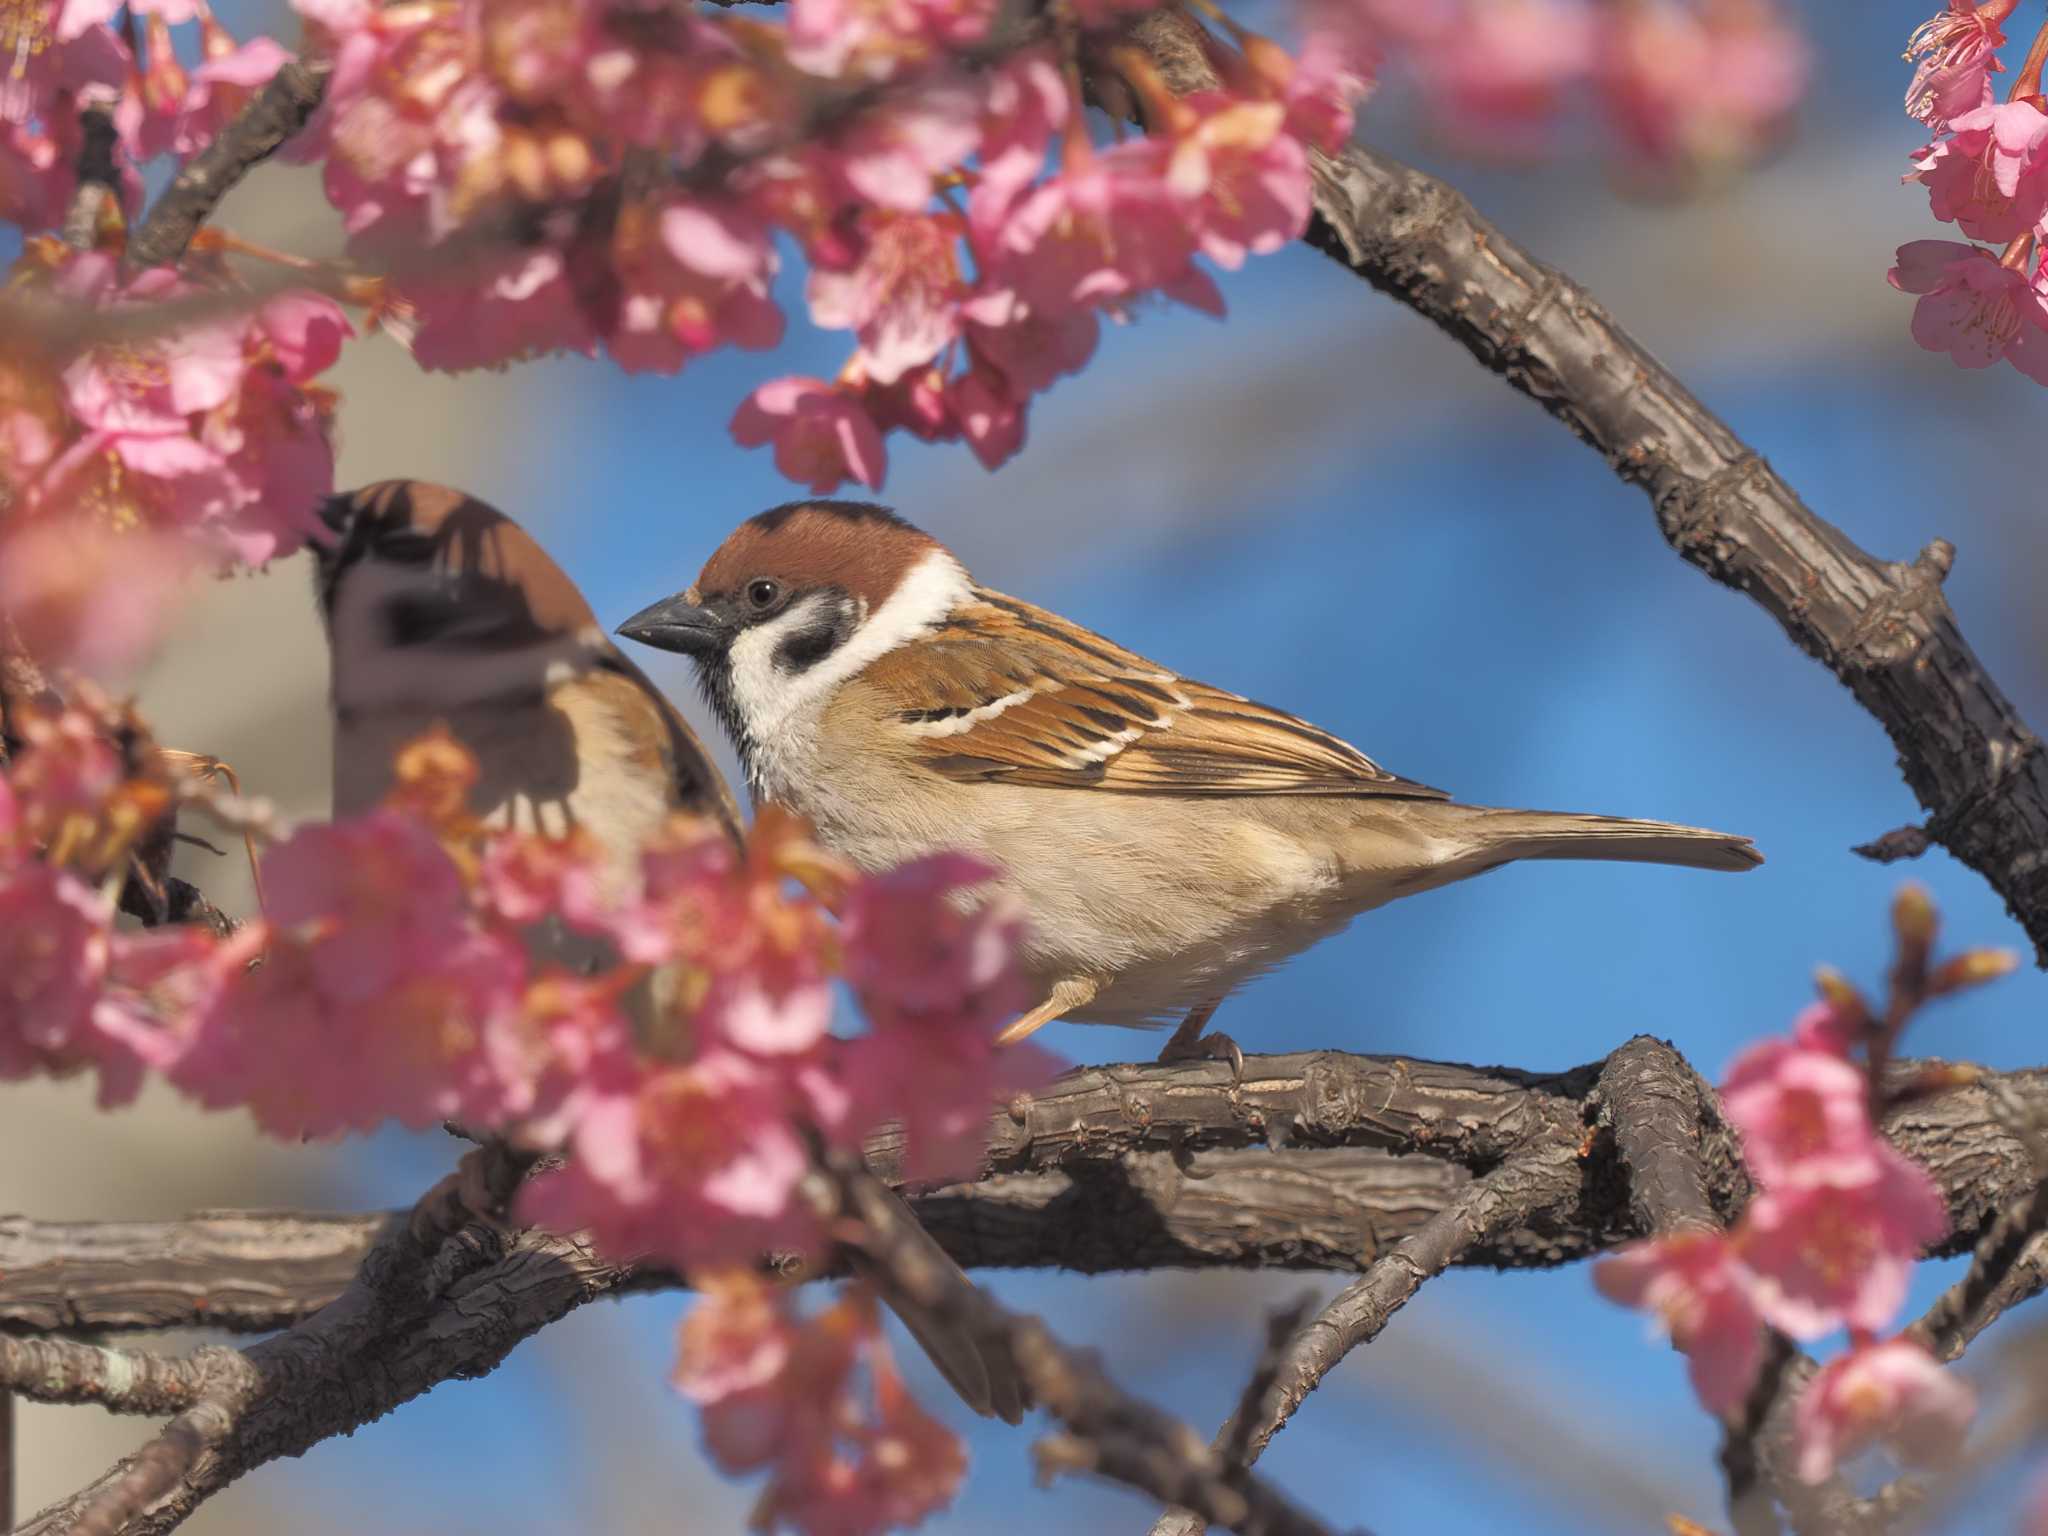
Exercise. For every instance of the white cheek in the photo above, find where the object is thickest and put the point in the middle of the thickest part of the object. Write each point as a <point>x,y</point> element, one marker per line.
<point>767,695</point>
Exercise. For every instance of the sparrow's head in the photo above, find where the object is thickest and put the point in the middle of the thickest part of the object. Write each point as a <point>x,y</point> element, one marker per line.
<point>796,601</point>
<point>433,599</point>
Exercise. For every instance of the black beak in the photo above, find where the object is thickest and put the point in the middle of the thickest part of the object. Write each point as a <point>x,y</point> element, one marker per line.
<point>677,624</point>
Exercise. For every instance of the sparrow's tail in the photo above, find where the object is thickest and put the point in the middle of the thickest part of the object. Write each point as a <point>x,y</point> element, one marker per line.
<point>1499,836</point>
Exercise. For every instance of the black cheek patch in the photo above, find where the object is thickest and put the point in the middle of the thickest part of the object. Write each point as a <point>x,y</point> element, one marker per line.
<point>804,648</point>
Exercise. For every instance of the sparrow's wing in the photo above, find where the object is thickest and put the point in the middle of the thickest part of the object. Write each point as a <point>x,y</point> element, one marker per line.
<point>1006,691</point>
<point>668,750</point>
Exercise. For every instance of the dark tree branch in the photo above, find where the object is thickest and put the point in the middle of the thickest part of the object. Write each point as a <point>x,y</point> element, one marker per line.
<point>99,178</point>
<point>1881,627</point>
<point>1087,1193</point>
<point>1109,1433</point>
<point>270,117</point>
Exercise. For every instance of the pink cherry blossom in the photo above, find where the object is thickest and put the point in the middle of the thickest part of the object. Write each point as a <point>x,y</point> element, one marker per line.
<point>902,298</point>
<point>1827,1255</point>
<point>989,416</point>
<point>55,54</point>
<point>1104,230</point>
<point>1029,349</point>
<point>1693,1284</point>
<point>693,274</point>
<point>937,983</point>
<point>694,1163</point>
<point>1700,83</point>
<point>1974,307</point>
<point>54,944</point>
<point>83,595</point>
<point>1957,50</point>
<point>1244,180</point>
<point>37,176</point>
<point>1991,174</point>
<point>1498,78</point>
<point>1804,1115</point>
<point>891,152</point>
<point>875,39</point>
<point>1895,1392</point>
<point>821,435</point>
<point>512,305</point>
<point>1825,1027</point>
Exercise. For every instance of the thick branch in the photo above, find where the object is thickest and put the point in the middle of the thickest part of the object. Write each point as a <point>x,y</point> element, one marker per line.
<point>1883,628</point>
<point>1089,1196</point>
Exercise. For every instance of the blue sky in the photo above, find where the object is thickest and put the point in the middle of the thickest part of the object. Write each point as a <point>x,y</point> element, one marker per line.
<point>1416,559</point>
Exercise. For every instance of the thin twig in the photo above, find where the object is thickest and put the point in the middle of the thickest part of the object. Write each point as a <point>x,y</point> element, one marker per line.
<point>270,117</point>
<point>120,1380</point>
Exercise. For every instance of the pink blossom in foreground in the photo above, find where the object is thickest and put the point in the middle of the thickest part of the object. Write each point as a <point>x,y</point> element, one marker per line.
<point>937,984</point>
<point>1895,1392</point>
<point>1828,1256</point>
<point>54,56</point>
<point>1990,176</point>
<point>783,1394</point>
<point>1106,229</point>
<point>85,596</point>
<point>1693,1284</point>
<point>890,153</point>
<point>516,304</point>
<point>1957,50</point>
<point>821,435</point>
<point>1804,1115</point>
<point>1974,307</point>
<point>221,85</point>
<point>54,938</point>
<point>875,39</point>
<point>693,274</point>
<point>695,1163</point>
<point>1825,1027</point>
<point>378,996</point>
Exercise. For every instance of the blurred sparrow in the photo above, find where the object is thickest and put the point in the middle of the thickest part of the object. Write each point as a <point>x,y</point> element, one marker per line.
<point>440,609</point>
<point>1168,840</point>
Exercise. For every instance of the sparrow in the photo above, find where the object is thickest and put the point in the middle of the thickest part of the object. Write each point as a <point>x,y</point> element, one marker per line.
<point>1168,840</point>
<point>442,610</point>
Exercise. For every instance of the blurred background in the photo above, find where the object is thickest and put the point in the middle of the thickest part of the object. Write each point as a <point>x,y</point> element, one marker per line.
<point>1408,554</point>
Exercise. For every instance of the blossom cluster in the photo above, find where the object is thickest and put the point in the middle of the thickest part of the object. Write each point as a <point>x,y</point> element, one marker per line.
<point>64,56</point>
<point>409,967</point>
<point>1986,171</point>
<point>1685,87</point>
<point>1827,1244</point>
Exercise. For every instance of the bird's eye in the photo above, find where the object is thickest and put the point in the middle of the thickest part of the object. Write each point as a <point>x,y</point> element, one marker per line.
<point>763,594</point>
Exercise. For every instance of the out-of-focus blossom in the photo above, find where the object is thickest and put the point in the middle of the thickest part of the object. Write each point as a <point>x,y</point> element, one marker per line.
<point>1804,1115</point>
<point>937,984</point>
<point>1703,84</point>
<point>1828,1256</point>
<point>821,435</point>
<point>1500,76</point>
<point>890,153</point>
<point>1974,307</point>
<point>1958,53</point>
<point>83,595</point>
<point>693,275</point>
<point>222,85</point>
<point>54,938</point>
<point>1693,1284</point>
<point>783,1393</point>
<point>1895,1392</point>
<point>697,1163</point>
<point>877,39</point>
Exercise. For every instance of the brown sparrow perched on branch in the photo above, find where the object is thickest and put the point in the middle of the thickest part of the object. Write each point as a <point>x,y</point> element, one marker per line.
<point>442,610</point>
<point>1169,840</point>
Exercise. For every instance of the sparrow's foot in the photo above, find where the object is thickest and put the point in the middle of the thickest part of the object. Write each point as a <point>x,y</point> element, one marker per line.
<point>1216,1047</point>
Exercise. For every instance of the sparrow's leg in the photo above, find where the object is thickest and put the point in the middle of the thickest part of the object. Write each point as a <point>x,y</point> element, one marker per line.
<point>1065,997</point>
<point>1190,1044</point>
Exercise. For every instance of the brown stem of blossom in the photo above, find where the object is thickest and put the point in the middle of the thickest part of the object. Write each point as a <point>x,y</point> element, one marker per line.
<point>2028,81</point>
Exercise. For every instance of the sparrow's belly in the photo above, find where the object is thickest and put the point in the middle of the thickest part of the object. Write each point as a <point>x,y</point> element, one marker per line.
<point>1167,902</point>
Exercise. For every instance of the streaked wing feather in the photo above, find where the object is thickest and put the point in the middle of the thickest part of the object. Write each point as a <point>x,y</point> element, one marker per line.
<point>1005,691</point>
<point>699,787</point>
